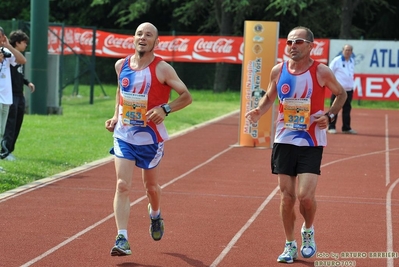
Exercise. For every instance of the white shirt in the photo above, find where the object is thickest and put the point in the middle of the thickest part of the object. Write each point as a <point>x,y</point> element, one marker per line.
<point>5,79</point>
<point>344,71</point>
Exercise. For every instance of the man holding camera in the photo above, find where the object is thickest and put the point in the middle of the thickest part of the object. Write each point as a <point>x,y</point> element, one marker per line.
<point>9,56</point>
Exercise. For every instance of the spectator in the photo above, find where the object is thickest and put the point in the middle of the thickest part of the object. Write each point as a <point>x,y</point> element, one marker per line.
<point>343,66</point>
<point>19,40</point>
<point>9,56</point>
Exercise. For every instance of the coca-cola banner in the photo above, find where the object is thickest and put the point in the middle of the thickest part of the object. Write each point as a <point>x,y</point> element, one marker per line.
<point>205,49</point>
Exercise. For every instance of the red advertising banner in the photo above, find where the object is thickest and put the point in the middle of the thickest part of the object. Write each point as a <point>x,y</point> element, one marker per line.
<point>200,49</point>
<point>377,84</point>
<point>379,87</point>
<point>205,49</point>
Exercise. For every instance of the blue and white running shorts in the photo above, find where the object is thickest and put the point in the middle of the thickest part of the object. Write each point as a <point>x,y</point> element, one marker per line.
<point>145,156</point>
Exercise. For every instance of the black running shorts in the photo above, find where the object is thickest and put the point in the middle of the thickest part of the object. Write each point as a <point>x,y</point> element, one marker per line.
<point>293,160</point>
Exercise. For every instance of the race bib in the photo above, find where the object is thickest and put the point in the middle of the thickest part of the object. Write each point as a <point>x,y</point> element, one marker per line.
<point>296,113</point>
<point>134,109</point>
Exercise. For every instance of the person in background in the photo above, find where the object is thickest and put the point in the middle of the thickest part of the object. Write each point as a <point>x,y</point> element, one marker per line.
<point>19,40</point>
<point>144,85</point>
<point>299,84</point>
<point>9,56</point>
<point>343,67</point>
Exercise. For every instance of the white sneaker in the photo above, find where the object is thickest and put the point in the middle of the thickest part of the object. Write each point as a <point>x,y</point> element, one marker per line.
<point>351,131</point>
<point>308,248</point>
<point>332,131</point>
<point>11,157</point>
<point>290,253</point>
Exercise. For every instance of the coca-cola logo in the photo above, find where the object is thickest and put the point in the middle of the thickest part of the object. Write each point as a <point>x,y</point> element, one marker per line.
<point>177,45</point>
<point>111,41</point>
<point>241,52</point>
<point>125,82</point>
<point>86,38</point>
<point>285,88</point>
<point>221,45</point>
<point>318,48</point>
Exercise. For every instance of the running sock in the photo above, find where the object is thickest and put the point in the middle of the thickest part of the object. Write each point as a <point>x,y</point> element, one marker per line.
<point>123,232</point>
<point>307,229</point>
<point>154,213</point>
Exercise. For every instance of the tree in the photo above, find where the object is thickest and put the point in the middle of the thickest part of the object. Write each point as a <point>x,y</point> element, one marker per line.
<point>329,14</point>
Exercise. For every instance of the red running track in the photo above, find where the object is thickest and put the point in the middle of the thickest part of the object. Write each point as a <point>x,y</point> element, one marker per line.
<point>220,204</point>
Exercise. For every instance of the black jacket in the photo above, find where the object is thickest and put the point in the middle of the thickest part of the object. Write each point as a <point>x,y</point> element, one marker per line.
<point>18,80</point>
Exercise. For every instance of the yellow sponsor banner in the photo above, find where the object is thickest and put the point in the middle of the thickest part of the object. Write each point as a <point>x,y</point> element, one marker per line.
<point>260,55</point>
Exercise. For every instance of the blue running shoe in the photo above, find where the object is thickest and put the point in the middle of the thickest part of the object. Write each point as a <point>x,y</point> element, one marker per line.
<point>290,253</point>
<point>308,248</point>
<point>156,226</point>
<point>122,247</point>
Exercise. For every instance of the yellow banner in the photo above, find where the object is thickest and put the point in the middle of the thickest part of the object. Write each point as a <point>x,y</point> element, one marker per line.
<point>260,55</point>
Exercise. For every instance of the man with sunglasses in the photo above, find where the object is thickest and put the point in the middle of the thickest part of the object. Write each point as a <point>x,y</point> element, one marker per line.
<point>299,84</point>
<point>343,66</point>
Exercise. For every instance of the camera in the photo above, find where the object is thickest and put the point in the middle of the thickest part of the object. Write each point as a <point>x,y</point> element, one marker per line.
<point>6,54</point>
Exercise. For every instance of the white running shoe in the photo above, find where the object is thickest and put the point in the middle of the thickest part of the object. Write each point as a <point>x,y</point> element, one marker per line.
<point>308,248</point>
<point>11,157</point>
<point>290,253</point>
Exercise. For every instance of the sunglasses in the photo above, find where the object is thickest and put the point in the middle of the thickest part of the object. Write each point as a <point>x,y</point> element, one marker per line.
<point>297,41</point>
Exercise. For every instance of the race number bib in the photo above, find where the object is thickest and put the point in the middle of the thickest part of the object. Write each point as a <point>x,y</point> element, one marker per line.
<point>296,113</point>
<point>134,109</point>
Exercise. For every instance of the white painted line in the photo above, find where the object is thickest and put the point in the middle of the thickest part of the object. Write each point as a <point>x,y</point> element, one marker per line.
<point>389,222</point>
<point>387,164</point>
<point>359,156</point>
<point>255,215</point>
<point>243,229</point>
<point>60,176</point>
<point>49,180</point>
<point>50,251</point>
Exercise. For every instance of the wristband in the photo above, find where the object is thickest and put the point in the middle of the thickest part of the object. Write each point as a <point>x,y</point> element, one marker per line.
<point>330,116</point>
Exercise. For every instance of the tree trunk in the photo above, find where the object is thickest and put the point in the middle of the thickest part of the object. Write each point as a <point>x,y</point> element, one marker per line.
<point>347,8</point>
<point>225,21</point>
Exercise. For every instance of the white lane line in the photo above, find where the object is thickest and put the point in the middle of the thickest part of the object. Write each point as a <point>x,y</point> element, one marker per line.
<point>255,215</point>
<point>389,222</point>
<point>67,241</point>
<point>52,179</point>
<point>387,164</point>
<point>60,176</point>
<point>237,236</point>
<point>359,156</point>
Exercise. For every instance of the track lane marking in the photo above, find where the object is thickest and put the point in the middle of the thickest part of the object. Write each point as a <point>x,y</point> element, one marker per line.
<point>255,215</point>
<point>237,236</point>
<point>389,222</point>
<point>387,163</point>
<point>111,216</point>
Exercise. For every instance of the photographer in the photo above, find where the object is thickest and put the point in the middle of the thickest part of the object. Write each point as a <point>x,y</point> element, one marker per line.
<point>9,56</point>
